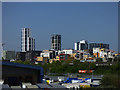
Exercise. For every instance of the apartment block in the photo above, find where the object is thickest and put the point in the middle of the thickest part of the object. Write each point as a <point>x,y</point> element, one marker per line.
<point>28,42</point>
<point>56,42</point>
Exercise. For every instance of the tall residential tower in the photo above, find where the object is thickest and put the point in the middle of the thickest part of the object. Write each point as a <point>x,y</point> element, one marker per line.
<point>56,42</point>
<point>28,43</point>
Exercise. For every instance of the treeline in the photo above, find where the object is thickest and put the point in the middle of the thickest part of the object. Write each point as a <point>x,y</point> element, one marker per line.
<point>63,67</point>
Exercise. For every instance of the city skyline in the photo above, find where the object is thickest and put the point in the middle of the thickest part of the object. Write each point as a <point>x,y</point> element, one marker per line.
<point>94,22</point>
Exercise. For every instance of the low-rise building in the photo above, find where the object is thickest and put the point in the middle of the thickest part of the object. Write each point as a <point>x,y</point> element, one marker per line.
<point>103,53</point>
<point>14,74</point>
<point>29,55</point>
<point>97,45</point>
<point>82,55</point>
<point>42,59</point>
<point>65,57</point>
<point>8,55</point>
<point>48,53</point>
<point>73,55</point>
<point>68,51</point>
<point>57,58</point>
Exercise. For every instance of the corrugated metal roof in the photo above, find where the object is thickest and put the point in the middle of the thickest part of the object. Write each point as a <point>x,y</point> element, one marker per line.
<point>50,86</point>
<point>57,86</point>
<point>44,86</point>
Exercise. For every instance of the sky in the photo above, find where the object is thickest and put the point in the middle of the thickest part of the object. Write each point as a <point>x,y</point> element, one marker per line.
<point>74,21</point>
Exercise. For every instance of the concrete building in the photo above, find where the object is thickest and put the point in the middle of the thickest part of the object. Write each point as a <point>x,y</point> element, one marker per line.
<point>20,56</point>
<point>97,45</point>
<point>28,43</point>
<point>48,53</point>
<point>76,46</point>
<point>82,45</point>
<point>42,59</point>
<point>57,58</point>
<point>32,55</point>
<point>28,55</point>
<point>8,55</point>
<point>68,51</point>
<point>65,57</point>
<point>56,42</point>
<point>82,55</point>
<point>103,53</point>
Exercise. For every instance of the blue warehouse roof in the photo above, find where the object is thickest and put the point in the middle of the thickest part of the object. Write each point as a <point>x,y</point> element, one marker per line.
<point>23,66</point>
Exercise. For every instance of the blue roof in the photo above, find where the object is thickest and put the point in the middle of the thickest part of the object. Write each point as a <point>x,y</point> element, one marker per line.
<point>22,65</point>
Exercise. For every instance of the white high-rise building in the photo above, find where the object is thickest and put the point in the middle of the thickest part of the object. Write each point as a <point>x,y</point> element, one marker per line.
<point>82,45</point>
<point>28,43</point>
<point>76,46</point>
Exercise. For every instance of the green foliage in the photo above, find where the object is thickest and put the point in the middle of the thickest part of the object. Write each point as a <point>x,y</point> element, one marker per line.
<point>99,60</point>
<point>110,80</point>
<point>26,62</point>
<point>76,62</point>
<point>65,67</point>
<point>61,67</point>
<point>109,59</point>
<point>92,66</point>
<point>117,59</point>
<point>22,62</point>
<point>18,61</point>
<point>2,58</point>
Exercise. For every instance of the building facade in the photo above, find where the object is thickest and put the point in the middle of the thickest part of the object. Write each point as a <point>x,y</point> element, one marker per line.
<point>20,56</point>
<point>97,45</point>
<point>76,46</point>
<point>8,55</point>
<point>28,43</point>
<point>68,51</point>
<point>56,42</point>
<point>82,45</point>
<point>103,53</point>
<point>48,53</point>
<point>14,74</point>
<point>65,57</point>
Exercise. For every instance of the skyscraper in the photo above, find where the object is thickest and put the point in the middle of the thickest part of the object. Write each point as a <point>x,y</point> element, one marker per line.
<point>76,46</point>
<point>82,45</point>
<point>28,43</point>
<point>56,42</point>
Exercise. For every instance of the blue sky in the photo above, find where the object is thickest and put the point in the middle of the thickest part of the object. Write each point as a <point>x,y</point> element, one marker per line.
<point>92,21</point>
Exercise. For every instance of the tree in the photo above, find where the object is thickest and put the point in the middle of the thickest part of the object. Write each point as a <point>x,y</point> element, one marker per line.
<point>110,80</point>
<point>92,66</point>
<point>76,62</point>
<point>99,60</point>
<point>109,59</point>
